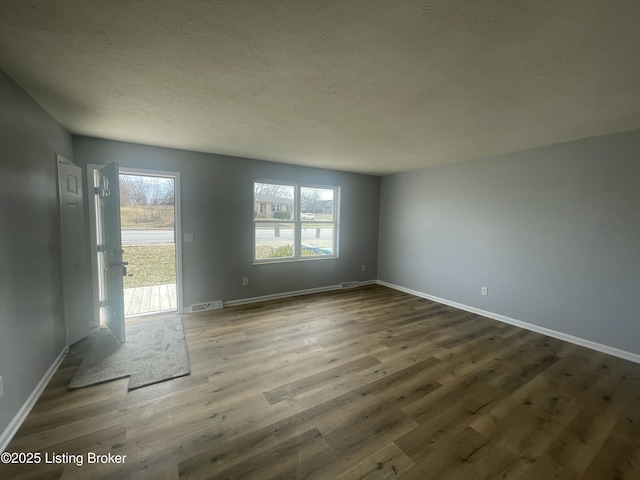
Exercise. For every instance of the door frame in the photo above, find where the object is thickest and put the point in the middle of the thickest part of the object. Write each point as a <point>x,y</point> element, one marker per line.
<point>79,296</point>
<point>110,254</point>
<point>91,169</point>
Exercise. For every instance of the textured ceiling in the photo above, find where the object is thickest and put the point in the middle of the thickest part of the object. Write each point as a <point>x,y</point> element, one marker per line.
<point>367,86</point>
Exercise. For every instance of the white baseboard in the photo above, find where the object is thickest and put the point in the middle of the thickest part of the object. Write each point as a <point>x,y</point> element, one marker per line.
<point>616,352</point>
<point>21,416</point>
<point>295,293</point>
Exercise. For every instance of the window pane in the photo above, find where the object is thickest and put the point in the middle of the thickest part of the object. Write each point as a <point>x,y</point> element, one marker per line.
<point>273,240</point>
<point>272,201</point>
<point>316,204</point>
<point>317,239</point>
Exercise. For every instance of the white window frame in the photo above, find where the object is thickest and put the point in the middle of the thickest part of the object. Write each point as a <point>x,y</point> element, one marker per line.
<point>297,222</point>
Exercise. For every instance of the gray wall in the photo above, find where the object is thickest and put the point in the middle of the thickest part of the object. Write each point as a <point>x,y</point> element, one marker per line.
<point>31,322</point>
<point>553,232</point>
<point>217,206</point>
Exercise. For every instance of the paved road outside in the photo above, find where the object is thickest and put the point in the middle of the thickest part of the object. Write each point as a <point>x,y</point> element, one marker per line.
<point>147,237</point>
<point>264,236</point>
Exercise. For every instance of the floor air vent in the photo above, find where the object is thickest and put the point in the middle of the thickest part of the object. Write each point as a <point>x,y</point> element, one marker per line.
<point>348,284</point>
<point>203,307</point>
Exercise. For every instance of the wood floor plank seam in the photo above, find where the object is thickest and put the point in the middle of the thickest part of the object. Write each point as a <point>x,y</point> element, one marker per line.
<point>362,383</point>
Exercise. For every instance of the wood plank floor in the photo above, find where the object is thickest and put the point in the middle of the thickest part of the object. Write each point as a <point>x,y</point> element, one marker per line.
<point>154,298</point>
<point>367,383</point>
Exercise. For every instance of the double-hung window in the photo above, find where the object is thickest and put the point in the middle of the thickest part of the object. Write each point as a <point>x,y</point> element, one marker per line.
<point>294,221</point>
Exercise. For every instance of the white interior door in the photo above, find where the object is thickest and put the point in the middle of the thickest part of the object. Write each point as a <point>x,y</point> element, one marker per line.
<point>76,313</point>
<point>112,269</point>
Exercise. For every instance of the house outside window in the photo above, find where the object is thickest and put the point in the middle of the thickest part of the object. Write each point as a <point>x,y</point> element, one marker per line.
<point>299,223</point>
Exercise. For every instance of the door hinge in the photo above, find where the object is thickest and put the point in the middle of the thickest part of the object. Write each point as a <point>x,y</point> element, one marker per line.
<point>96,190</point>
<point>99,248</point>
<point>102,304</point>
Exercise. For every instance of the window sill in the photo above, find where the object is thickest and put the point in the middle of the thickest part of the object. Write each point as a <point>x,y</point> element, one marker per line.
<point>293,260</point>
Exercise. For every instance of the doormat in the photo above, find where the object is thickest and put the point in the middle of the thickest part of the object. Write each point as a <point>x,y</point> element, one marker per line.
<point>154,351</point>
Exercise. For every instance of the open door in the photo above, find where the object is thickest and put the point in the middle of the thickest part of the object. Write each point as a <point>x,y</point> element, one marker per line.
<point>112,269</point>
<point>76,315</point>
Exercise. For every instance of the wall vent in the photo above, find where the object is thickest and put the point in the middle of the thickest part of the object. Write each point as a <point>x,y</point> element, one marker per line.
<point>203,307</point>
<point>348,284</point>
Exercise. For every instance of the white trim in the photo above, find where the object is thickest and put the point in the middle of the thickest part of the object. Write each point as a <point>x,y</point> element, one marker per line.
<point>177,212</point>
<point>62,159</point>
<point>296,221</point>
<point>65,300</point>
<point>177,230</point>
<point>21,416</point>
<point>295,293</point>
<point>95,269</point>
<point>616,352</point>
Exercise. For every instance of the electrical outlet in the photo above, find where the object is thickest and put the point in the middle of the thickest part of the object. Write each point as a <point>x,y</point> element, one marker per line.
<point>245,281</point>
<point>484,291</point>
<point>1,387</point>
<point>364,268</point>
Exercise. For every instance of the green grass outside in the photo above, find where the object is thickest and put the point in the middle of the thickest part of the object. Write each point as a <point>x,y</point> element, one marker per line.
<point>150,265</point>
<point>134,217</point>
